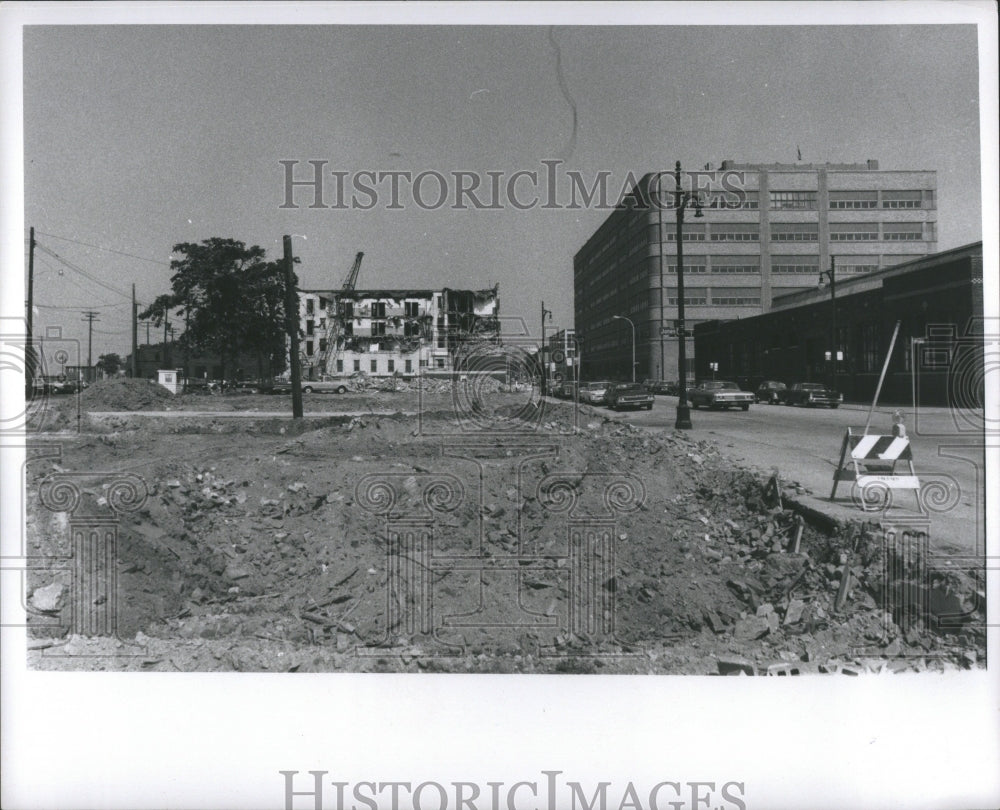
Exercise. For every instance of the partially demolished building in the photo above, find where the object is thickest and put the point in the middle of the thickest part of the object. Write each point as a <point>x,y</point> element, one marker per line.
<point>386,333</point>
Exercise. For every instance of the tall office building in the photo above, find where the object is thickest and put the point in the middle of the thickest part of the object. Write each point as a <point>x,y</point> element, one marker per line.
<point>766,230</point>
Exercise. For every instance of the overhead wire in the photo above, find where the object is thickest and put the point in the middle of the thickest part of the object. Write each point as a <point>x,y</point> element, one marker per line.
<point>99,247</point>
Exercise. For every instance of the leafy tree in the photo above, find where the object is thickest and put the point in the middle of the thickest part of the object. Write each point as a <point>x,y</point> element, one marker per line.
<point>110,363</point>
<point>230,298</point>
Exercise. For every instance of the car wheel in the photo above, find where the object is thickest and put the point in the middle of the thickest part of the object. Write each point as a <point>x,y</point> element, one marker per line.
<point>745,406</point>
<point>833,406</point>
<point>341,389</point>
<point>649,407</point>
<point>307,390</point>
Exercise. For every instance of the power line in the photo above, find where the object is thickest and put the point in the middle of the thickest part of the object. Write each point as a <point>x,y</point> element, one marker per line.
<point>98,247</point>
<point>79,270</point>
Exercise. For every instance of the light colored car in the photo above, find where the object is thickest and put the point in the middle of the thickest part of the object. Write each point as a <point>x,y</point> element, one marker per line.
<point>719,394</point>
<point>594,393</point>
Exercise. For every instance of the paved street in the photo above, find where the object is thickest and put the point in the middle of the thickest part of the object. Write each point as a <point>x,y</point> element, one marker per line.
<point>804,445</point>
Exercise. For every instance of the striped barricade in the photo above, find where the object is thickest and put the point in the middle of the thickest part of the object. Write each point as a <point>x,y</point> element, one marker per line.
<point>871,462</point>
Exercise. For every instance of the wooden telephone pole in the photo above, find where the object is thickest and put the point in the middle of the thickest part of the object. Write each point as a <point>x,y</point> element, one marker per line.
<point>292,326</point>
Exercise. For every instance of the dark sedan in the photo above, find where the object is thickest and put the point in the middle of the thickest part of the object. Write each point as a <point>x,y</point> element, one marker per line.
<point>811,394</point>
<point>629,395</point>
<point>771,392</point>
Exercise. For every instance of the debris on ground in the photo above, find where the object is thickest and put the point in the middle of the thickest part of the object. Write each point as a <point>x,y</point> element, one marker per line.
<point>257,550</point>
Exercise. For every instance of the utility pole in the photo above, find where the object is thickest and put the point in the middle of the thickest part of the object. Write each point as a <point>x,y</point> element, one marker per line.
<point>292,326</point>
<point>833,315</point>
<point>541,352</point>
<point>166,326</point>
<point>29,350</point>
<point>90,317</point>
<point>135,336</point>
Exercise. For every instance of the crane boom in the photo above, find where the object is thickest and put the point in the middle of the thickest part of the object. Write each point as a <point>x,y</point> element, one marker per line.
<point>352,277</point>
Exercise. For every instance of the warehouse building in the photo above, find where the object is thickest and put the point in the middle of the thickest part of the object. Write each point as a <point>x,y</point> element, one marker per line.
<point>938,355</point>
<point>766,230</point>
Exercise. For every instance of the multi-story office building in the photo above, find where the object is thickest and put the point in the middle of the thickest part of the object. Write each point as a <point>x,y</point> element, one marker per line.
<point>386,333</point>
<point>766,230</point>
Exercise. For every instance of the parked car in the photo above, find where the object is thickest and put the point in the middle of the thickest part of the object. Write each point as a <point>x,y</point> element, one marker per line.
<point>565,390</point>
<point>662,387</point>
<point>719,394</point>
<point>594,392</point>
<point>771,392</point>
<point>811,394</point>
<point>309,387</point>
<point>629,395</point>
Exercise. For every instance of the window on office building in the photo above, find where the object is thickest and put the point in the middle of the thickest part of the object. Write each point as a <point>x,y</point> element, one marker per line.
<point>733,200</point>
<point>847,265</point>
<point>411,309</point>
<point>390,365</point>
<point>736,296</point>
<point>357,365</point>
<point>378,309</point>
<point>693,296</point>
<point>853,199</point>
<point>794,232</point>
<point>322,344</point>
<point>902,231</point>
<point>440,362</point>
<point>309,348</point>
<point>902,199</point>
<point>735,232</point>
<point>310,303</point>
<point>408,366</point>
<point>374,365</point>
<point>735,264</point>
<point>793,200</point>
<point>695,264</point>
<point>348,328</point>
<point>693,232</point>
<point>310,327</point>
<point>853,231</point>
<point>794,264</point>
<point>378,328</point>
<point>340,366</point>
<point>347,309</point>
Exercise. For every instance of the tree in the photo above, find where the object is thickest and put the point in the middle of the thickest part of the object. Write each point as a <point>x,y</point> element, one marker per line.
<point>231,300</point>
<point>110,363</point>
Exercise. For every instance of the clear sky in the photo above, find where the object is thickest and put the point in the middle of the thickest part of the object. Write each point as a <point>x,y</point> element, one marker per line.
<point>140,137</point>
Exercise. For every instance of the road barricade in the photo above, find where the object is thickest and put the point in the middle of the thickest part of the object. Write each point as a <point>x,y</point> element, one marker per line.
<point>872,462</point>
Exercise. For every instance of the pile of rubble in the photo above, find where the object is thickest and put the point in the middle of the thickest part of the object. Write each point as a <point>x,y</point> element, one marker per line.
<point>267,546</point>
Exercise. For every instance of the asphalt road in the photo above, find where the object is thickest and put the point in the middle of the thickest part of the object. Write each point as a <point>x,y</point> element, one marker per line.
<point>804,444</point>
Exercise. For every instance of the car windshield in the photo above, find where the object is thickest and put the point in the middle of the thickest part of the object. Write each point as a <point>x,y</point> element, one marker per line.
<point>810,387</point>
<point>769,384</point>
<point>630,388</point>
<point>720,385</point>
<point>595,386</point>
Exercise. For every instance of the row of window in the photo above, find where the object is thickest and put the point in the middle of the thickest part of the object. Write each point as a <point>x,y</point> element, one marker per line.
<point>807,232</point>
<point>390,365</point>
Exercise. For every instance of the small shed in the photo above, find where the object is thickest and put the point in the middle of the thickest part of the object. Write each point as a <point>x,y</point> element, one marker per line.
<point>171,379</point>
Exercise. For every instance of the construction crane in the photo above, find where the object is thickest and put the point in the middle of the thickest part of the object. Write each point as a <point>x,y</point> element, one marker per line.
<point>331,341</point>
<point>352,277</point>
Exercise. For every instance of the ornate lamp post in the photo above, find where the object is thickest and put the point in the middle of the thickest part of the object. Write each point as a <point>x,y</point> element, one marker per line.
<point>623,318</point>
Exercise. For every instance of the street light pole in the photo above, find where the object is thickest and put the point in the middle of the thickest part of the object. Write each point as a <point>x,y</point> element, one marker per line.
<point>541,352</point>
<point>831,273</point>
<point>623,318</point>
<point>683,411</point>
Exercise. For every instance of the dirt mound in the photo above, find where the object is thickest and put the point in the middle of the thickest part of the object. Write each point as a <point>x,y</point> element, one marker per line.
<point>125,394</point>
<point>248,543</point>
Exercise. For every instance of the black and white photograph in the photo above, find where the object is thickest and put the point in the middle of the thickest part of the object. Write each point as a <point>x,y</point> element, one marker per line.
<point>380,351</point>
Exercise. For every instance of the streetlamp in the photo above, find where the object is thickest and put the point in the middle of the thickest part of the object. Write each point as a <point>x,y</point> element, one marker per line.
<point>832,275</point>
<point>684,198</point>
<point>623,318</point>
